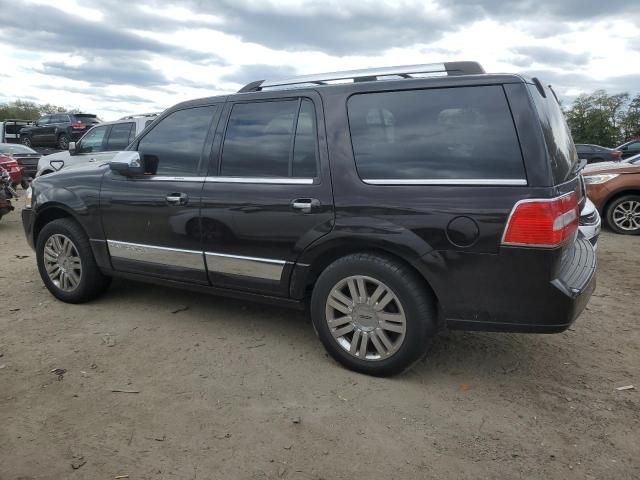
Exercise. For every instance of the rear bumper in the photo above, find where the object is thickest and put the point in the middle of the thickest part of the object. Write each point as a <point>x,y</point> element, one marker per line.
<point>74,135</point>
<point>516,297</point>
<point>28,219</point>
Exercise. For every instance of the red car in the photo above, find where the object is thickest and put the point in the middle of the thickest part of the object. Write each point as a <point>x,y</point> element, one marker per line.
<point>11,165</point>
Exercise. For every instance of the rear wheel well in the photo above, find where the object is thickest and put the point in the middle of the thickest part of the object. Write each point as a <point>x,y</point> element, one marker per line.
<point>327,258</point>
<point>616,196</point>
<point>45,217</point>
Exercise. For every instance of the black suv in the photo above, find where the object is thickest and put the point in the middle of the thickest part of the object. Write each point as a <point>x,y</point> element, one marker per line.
<point>57,129</point>
<point>392,205</point>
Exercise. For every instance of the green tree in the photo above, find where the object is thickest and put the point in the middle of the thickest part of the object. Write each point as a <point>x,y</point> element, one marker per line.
<point>630,122</point>
<point>597,118</point>
<point>24,110</point>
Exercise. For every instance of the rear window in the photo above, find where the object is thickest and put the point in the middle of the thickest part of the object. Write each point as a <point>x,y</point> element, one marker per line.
<point>562,151</point>
<point>86,117</point>
<point>464,133</point>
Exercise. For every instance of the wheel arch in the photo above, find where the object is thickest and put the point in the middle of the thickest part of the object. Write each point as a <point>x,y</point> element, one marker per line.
<point>49,213</point>
<point>316,260</point>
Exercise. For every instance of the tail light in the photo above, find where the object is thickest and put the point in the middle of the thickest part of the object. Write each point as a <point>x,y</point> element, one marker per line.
<point>542,222</point>
<point>10,165</point>
<point>616,153</point>
<point>78,125</point>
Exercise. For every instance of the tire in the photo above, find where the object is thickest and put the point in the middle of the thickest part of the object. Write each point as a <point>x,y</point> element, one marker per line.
<point>63,141</point>
<point>24,183</point>
<point>623,215</point>
<point>394,350</point>
<point>26,141</point>
<point>89,280</point>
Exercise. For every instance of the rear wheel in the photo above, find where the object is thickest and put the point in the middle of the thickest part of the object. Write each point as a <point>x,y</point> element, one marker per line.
<point>373,314</point>
<point>66,263</point>
<point>63,141</point>
<point>623,215</point>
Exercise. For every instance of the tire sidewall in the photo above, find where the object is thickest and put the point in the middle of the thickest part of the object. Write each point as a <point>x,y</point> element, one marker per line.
<point>420,327</point>
<point>66,141</point>
<point>26,141</point>
<point>610,210</point>
<point>86,257</point>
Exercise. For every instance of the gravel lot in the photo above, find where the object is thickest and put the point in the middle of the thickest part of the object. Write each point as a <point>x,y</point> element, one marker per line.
<point>233,390</point>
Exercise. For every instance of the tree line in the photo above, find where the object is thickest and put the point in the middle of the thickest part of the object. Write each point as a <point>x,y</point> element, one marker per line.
<point>604,119</point>
<point>23,110</point>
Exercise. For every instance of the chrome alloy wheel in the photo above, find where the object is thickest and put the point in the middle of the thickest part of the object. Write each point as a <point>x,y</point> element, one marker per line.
<point>365,317</point>
<point>62,262</point>
<point>626,215</point>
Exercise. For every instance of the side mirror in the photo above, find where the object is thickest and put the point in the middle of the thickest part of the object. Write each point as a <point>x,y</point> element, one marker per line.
<point>127,163</point>
<point>72,148</point>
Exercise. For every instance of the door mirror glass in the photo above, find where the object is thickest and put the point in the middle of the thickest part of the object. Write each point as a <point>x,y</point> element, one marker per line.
<point>128,164</point>
<point>72,148</point>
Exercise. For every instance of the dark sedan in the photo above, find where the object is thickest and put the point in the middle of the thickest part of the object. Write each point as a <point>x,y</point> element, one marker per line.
<point>596,153</point>
<point>26,157</point>
<point>629,149</point>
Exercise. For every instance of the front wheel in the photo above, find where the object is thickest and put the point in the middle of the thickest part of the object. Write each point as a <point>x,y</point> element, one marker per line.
<point>373,314</point>
<point>63,141</point>
<point>66,263</point>
<point>26,141</point>
<point>623,215</point>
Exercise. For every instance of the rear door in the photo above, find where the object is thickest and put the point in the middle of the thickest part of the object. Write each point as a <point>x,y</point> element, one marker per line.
<point>152,222</point>
<point>39,130</point>
<point>268,193</point>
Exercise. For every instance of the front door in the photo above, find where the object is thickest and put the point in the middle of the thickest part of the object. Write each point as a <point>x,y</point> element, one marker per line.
<point>151,222</point>
<point>268,193</point>
<point>39,131</point>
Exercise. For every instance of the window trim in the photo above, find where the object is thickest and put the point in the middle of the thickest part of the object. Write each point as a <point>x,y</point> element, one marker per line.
<point>316,180</point>
<point>437,181</point>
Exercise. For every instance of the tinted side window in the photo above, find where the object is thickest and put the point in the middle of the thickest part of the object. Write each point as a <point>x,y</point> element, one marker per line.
<point>44,120</point>
<point>119,136</point>
<point>259,141</point>
<point>174,146</point>
<point>92,141</point>
<point>305,150</point>
<point>435,134</point>
<point>556,133</point>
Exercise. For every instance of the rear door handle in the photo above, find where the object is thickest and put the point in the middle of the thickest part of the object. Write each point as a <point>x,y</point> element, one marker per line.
<point>177,199</point>
<point>305,205</point>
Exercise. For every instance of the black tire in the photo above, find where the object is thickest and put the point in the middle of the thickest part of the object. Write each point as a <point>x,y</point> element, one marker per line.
<point>416,299</point>
<point>63,141</point>
<point>92,282</point>
<point>624,228</point>
<point>24,183</point>
<point>26,141</point>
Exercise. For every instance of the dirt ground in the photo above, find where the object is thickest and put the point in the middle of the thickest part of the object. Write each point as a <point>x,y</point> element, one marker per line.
<point>228,390</point>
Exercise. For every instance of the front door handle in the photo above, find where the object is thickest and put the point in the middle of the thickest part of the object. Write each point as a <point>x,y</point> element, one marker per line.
<point>305,205</point>
<point>177,199</point>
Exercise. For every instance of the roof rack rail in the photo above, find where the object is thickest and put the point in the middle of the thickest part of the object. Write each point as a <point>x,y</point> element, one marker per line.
<point>367,75</point>
<point>129,117</point>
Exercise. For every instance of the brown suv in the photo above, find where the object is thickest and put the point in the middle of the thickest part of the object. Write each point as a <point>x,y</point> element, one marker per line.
<point>614,188</point>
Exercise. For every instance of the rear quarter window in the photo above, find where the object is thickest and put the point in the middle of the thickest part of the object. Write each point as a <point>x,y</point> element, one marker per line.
<point>463,133</point>
<point>557,136</point>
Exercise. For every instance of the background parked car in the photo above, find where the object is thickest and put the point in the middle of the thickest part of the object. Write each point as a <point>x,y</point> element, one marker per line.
<point>615,191</point>
<point>596,153</point>
<point>590,223</point>
<point>629,149</point>
<point>10,130</point>
<point>57,129</point>
<point>26,157</point>
<point>98,144</point>
<point>635,160</point>
<point>11,166</point>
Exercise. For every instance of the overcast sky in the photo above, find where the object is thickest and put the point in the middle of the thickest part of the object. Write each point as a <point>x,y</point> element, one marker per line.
<point>114,57</point>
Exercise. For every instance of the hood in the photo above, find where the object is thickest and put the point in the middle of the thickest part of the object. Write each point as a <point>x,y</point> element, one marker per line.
<point>78,168</point>
<point>610,167</point>
<point>45,160</point>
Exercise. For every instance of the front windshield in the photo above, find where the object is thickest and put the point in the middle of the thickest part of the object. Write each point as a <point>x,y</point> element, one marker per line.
<point>11,148</point>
